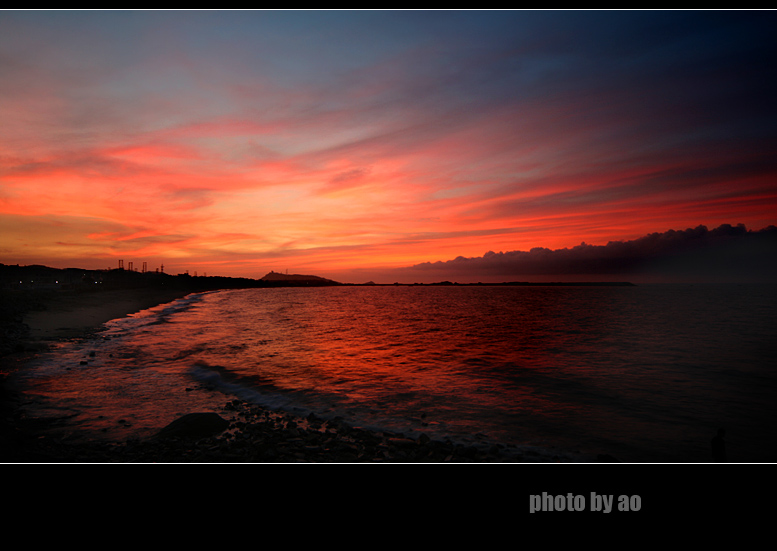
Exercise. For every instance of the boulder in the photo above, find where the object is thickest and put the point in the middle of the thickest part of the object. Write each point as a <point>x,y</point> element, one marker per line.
<point>194,426</point>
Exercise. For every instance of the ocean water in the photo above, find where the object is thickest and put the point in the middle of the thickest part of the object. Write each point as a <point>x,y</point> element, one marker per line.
<point>645,373</point>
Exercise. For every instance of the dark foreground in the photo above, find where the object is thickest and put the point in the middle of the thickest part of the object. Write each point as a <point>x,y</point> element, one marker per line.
<point>246,433</point>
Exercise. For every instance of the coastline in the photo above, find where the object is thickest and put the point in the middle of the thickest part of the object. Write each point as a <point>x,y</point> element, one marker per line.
<point>240,433</point>
<point>32,321</point>
<point>70,315</point>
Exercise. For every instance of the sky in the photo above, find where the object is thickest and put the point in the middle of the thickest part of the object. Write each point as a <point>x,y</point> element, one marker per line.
<point>383,145</point>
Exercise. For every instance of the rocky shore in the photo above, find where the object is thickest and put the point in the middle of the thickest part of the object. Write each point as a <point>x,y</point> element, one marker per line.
<point>247,433</point>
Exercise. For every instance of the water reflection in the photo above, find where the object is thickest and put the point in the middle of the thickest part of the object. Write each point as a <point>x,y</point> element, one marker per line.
<point>645,372</point>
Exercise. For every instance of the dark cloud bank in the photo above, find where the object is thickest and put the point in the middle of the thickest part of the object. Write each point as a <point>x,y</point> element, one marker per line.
<point>724,254</point>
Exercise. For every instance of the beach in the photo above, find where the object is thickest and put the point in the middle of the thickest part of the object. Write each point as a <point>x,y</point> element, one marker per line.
<point>390,374</point>
<point>240,432</point>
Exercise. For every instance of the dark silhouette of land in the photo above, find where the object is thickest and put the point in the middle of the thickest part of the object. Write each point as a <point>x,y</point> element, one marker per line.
<point>276,279</point>
<point>43,303</point>
<point>44,278</point>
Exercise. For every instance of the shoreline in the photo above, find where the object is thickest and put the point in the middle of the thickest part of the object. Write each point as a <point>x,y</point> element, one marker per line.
<point>76,315</point>
<point>240,432</point>
<point>32,321</point>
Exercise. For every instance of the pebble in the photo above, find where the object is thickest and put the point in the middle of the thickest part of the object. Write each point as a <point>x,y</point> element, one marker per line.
<point>251,434</point>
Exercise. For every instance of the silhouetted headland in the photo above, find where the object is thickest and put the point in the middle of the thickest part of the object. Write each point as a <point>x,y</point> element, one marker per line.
<point>275,279</point>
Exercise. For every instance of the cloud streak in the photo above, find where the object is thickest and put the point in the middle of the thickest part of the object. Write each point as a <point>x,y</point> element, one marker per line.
<point>387,137</point>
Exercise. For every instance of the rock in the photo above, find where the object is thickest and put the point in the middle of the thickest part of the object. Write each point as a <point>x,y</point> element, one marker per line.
<point>401,442</point>
<point>194,426</point>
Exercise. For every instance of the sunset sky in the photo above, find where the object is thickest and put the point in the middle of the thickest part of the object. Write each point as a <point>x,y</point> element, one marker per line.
<point>345,143</point>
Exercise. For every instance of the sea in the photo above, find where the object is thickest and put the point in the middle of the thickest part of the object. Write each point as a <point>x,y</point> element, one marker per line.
<point>642,374</point>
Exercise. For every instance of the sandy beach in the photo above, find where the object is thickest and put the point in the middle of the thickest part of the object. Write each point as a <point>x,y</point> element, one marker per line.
<point>72,315</point>
<point>239,433</point>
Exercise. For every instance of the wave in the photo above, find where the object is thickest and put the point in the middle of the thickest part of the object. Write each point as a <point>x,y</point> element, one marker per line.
<point>153,316</point>
<point>254,389</point>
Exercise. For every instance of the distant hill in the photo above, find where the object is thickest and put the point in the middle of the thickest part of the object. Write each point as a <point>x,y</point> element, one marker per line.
<point>298,279</point>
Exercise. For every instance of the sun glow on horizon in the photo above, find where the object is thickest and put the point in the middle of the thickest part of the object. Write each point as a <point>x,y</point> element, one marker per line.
<point>220,142</point>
